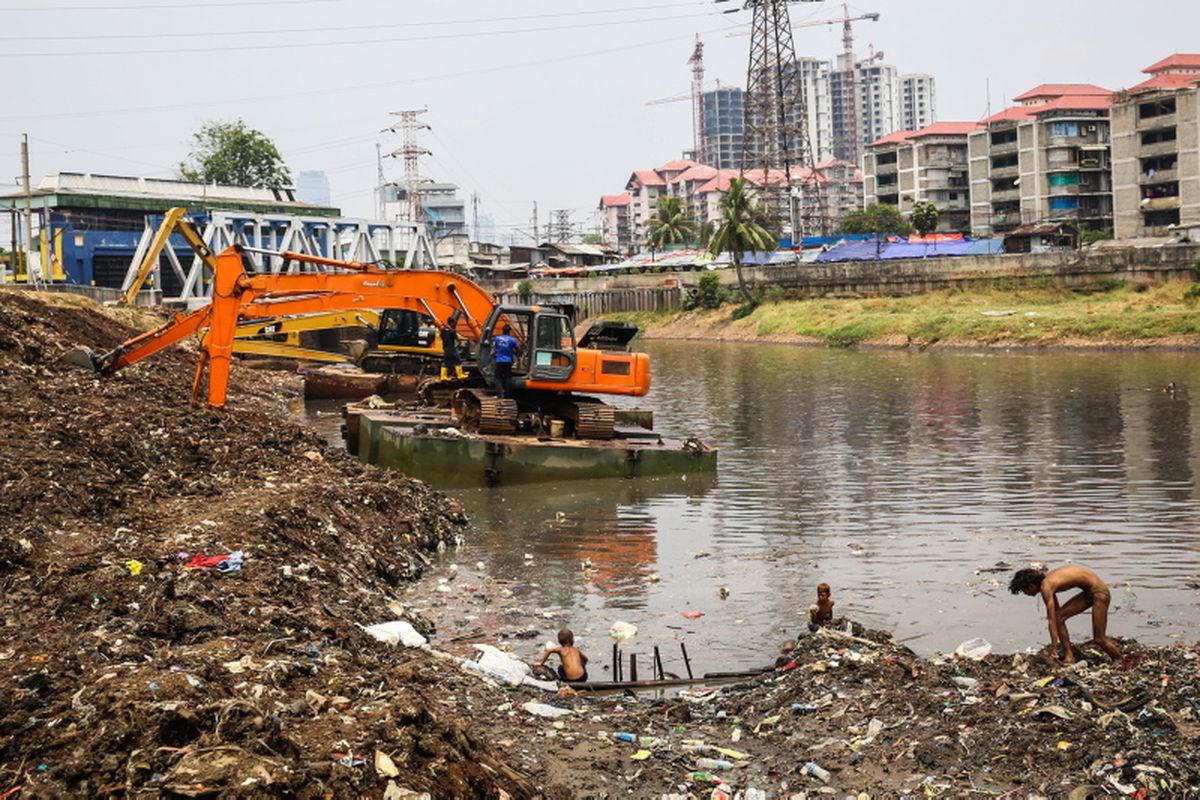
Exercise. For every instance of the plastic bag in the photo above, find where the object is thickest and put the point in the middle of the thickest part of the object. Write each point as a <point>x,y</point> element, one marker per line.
<point>975,649</point>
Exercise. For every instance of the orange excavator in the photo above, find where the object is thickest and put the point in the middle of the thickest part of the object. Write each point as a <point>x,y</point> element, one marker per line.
<point>547,382</point>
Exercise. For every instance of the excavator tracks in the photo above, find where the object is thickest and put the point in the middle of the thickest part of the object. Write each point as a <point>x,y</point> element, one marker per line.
<point>479,412</point>
<point>594,420</point>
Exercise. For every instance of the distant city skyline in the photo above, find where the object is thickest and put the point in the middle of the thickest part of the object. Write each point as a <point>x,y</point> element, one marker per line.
<point>528,103</point>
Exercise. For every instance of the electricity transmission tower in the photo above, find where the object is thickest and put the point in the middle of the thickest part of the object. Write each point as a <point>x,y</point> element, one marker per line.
<point>777,139</point>
<point>411,152</point>
<point>560,228</point>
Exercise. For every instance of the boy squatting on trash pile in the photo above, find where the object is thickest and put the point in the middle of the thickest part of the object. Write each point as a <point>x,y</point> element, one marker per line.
<point>1093,594</point>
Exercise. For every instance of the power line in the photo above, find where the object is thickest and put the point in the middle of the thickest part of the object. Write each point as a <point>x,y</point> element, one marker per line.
<point>352,43</point>
<point>158,6</point>
<point>225,101</point>
<point>340,28</point>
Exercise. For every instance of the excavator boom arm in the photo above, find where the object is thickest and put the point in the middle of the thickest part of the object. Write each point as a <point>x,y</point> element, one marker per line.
<point>239,297</point>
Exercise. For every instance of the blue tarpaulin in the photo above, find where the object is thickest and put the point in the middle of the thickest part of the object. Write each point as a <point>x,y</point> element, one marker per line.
<point>889,251</point>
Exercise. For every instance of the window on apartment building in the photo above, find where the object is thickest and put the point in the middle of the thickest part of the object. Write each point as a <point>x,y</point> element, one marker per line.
<point>1156,164</point>
<point>1004,137</point>
<point>1005,161</point>
<point>1064,129</point>
<point>1158,137</point>
<point>1156,108</point>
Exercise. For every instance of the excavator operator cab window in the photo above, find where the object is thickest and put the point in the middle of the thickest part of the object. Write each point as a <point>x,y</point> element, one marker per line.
<point>402,327</point>
<point>520,322</point>
<point>553,350</point>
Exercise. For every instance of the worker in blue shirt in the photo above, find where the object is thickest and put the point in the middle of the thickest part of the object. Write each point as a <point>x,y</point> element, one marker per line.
<point>505,348</point>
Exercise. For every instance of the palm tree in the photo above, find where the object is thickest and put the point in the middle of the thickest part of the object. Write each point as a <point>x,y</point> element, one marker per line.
<point>740,230</point>
<point>671,224</point>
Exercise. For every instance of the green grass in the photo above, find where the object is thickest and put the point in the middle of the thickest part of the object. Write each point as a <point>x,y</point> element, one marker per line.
<point>1111,313</point>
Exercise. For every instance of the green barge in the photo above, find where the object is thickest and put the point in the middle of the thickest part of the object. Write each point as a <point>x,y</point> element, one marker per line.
<point>425,444</point>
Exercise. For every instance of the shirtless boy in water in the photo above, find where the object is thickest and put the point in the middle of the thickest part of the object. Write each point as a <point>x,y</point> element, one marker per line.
<point>1093,594</point>
<point>574,663</point>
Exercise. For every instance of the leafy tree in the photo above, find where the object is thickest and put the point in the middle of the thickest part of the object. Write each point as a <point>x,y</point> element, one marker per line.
<point>233,154</point>
<point>924,218</point>
<point>671,224</point>
<point>739,230</point>
<point>1095,235</point>
<point>708,292</point>
<point>593,239</point>
<point>876,218</point>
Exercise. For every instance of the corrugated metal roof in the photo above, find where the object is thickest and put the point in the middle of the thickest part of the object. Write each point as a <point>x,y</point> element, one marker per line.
<point>86,183</point>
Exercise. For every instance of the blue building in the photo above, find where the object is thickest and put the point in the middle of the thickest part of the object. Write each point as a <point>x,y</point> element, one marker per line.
<point>87,227</point>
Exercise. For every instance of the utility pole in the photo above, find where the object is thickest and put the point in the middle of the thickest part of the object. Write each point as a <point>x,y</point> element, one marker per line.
<point>537,241</point>
<point>475,216</point>
<point>381,181</point>
<point>32,271</point>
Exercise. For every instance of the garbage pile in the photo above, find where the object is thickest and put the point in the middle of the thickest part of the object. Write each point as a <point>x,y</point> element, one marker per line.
<point>852,712</point>
<point>184,592</point>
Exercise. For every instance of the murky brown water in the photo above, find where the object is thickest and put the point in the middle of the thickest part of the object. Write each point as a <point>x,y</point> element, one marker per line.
<point>895,477</point>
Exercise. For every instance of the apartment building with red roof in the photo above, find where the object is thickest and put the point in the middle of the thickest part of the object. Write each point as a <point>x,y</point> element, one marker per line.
<point>615,227</point>
<point>1156,150</point>
<point>928,165</point>
<point>1046,159</point>
<point>826,193</point>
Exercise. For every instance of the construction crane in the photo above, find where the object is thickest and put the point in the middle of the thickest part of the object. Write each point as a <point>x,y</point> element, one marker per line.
<point>850,77</point>
<point>696,97</point>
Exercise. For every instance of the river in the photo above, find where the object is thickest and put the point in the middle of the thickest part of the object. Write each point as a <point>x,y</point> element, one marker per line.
<point>913,483</point>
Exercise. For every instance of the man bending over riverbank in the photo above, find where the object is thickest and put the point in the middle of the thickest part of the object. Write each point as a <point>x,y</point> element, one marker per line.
<point>1093,594</point>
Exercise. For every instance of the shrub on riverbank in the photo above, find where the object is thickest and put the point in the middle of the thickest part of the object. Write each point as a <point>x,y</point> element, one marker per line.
<point>1113,314</point>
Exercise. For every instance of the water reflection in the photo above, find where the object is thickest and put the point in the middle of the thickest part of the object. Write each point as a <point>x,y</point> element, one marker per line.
<point>899,478</point>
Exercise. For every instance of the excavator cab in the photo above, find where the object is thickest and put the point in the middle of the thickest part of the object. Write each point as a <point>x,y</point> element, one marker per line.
<point>548,344</point>
<point>404,328</point>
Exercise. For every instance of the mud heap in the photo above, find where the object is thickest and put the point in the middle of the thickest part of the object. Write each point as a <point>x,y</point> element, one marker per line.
<point>130,663</point>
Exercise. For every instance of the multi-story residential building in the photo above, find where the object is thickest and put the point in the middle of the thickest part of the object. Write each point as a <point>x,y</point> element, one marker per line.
<point>925,166</point>
<point>724,126</point>
<point>842,188</point>
<point>878,103</point>
<point>918,97</point>
<point>1156,150</point>
<point>817,90</point>
<point>615,230</point>
<point>646,186</point>
<point>1045,160</point>
<point>825,195</point>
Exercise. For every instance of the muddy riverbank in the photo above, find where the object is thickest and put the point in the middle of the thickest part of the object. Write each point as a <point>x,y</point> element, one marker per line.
<point>184,591</point>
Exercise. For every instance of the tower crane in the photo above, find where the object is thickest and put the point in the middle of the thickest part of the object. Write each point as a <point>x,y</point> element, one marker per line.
<point>697,99</point>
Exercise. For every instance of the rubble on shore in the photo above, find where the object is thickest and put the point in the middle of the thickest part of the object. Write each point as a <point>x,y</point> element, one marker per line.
<point>140,657</point>
<point>128,669</point>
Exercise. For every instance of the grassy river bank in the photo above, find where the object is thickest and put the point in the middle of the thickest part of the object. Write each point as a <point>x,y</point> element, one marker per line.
<point>1116,315</point>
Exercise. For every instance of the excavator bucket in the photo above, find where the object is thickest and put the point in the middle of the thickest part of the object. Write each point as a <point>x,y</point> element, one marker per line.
<point>83,358</point>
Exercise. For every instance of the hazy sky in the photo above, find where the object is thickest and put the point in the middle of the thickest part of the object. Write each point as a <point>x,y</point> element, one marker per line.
<point>528,99</point>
